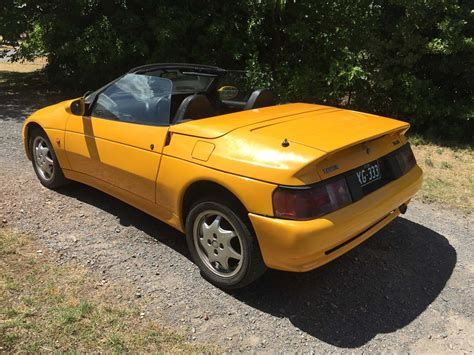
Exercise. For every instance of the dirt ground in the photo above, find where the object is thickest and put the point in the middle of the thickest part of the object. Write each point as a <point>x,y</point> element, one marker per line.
<point>407,289</point>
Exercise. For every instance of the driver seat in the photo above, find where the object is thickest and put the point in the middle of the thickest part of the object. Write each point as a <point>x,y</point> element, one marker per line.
<point>194,107</point>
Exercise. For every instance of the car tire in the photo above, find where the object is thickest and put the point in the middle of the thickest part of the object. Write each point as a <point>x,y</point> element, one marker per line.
<point>45,162</point>
<point>222,244</point>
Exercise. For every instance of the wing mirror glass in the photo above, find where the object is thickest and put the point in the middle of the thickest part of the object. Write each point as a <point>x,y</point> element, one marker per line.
<point>78,107</point>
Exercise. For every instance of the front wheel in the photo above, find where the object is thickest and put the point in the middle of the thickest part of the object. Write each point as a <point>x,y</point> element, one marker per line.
<point>45,162</point>
<point>222,245</point>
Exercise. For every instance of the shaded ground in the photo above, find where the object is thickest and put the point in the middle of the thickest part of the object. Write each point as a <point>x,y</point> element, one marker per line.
<point>23,93</point>
<point>409,288</point>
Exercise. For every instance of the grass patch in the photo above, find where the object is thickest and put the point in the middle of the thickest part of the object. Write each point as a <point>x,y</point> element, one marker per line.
<point>449,174</point>
<point>49,308</point>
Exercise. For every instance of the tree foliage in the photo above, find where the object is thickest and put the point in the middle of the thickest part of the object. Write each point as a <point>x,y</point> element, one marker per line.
<point>410,59</point>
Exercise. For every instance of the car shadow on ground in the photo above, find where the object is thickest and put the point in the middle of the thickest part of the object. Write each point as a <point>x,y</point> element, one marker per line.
<point>379,287</point>
<point>128,216</point>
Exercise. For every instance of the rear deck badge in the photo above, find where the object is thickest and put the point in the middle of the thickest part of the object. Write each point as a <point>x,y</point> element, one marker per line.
<point>330,169</point>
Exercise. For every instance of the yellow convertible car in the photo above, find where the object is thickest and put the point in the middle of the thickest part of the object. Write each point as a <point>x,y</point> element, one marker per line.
<point>253,184</point>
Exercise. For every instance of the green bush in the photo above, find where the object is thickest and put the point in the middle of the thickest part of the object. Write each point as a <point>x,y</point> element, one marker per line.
<point>408,59</point>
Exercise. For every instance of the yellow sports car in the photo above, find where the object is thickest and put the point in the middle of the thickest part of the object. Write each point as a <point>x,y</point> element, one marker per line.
<point>253,184</point>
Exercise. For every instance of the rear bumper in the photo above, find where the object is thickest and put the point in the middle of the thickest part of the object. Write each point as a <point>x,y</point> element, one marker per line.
<point>304,245</point>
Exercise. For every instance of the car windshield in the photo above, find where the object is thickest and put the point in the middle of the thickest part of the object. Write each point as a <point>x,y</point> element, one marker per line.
<point>136,98</point>
<point>185,82</point>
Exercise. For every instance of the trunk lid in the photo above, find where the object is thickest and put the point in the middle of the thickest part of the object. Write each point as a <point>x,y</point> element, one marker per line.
<point>324,141</point>
<point>330,130</point>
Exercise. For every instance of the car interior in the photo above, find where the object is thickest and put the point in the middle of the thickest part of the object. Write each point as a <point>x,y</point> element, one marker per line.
<point>164,94</point>
<point>197,92</point>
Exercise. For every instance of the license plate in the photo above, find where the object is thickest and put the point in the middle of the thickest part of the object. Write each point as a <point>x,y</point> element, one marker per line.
<point>368,173</point>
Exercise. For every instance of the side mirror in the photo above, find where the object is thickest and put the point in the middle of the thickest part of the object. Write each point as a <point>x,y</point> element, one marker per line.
<point>78,107</point>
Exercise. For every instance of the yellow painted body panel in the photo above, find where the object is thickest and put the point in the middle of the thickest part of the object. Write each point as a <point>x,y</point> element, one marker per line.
<point>176,175</point>
<point>151,167</point>
<point>52,120</point>
<point>116,152</point>
<point>56,136</point>
<point>202,150</point>
<point>264,160</point>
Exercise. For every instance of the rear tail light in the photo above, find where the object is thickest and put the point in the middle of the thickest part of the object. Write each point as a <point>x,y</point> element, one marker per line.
<point>406,159</point>
<point>311,202</point>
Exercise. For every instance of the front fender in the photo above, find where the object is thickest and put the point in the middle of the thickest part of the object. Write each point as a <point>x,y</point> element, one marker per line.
<point>52,120</point>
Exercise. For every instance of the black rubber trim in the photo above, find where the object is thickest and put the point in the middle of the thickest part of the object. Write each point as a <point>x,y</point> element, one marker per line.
<point>182,66</point>
<point>337,247</point>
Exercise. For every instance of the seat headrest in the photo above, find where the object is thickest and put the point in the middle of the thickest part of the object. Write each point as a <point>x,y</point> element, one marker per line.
<point>260,98</point>
<point>194,107</point>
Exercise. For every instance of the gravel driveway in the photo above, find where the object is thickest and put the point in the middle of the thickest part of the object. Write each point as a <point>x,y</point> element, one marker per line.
<point>409,288</point>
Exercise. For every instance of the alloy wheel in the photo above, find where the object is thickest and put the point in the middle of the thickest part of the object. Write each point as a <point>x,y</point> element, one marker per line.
<point>218,243</point>
<point>43,158</point>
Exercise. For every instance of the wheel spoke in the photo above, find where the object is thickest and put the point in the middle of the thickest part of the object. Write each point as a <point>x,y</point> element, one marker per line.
<point>206,229</point>
<point>224,262</point>
<point>212,258</point>
<point>226,235</point>
<point>44,150</point>
<point>215,225</point>
<point>229,252</point>
<point>48,168</point>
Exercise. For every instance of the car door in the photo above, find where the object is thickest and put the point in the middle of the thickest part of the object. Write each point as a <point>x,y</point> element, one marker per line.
<point>120,142</point>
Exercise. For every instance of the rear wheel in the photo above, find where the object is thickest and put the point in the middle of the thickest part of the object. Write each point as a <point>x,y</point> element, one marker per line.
<point>222,245</point>
<point>45,162</point>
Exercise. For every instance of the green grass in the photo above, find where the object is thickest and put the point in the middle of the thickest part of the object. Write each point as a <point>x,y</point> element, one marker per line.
<point>446,165</point>
<point>47,308</point>
<point>429,162</point>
